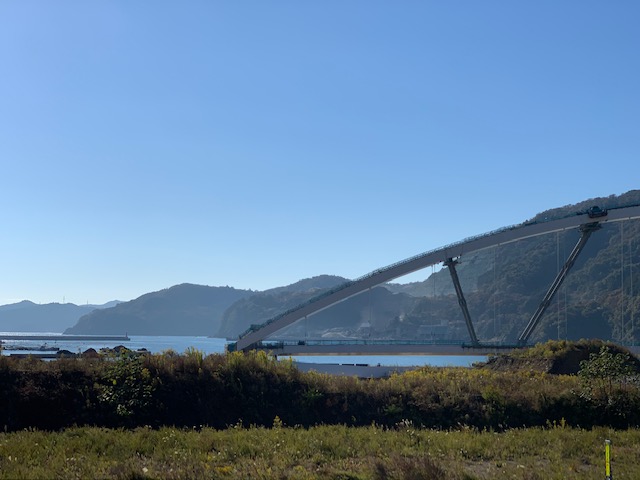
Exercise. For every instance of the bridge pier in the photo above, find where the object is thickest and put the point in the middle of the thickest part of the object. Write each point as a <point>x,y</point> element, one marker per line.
<point>450,263</point>
<point>585,232</point>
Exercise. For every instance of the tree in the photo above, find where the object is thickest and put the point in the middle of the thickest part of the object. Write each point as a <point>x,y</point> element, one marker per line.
<point>605,374</point>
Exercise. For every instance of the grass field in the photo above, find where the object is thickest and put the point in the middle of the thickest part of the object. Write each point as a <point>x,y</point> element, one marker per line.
<point>85,418</point>
<point>333,452</point>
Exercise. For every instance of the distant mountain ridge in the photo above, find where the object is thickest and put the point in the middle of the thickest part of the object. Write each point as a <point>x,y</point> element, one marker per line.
<point>320,282</point>
<point>225,312</point>
<point>356,317</point>
<point>26,316</point>
<point>263,305</point>
<point>184,309</point>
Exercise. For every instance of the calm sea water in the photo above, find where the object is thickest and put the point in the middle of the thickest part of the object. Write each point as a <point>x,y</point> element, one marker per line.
<point>208,345</point>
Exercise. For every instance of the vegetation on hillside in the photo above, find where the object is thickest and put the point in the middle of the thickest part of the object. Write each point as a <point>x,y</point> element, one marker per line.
<point>250,416</point>
<point>504,285</point>
<point>356,317</point>
<point>560,357</point>
<point>252,389</point>
<point>184,309</point>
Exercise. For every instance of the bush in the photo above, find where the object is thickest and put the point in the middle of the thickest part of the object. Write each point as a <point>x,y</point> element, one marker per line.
<point>253,389</point>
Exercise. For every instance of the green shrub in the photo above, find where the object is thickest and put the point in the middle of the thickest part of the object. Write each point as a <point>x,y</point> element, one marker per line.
<point>194,390</point>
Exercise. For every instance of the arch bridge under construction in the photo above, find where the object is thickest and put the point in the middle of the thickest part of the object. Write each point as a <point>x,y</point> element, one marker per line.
<point>587,222</point>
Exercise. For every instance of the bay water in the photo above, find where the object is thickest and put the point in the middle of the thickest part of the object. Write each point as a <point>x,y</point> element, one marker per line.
<point>210,345</point>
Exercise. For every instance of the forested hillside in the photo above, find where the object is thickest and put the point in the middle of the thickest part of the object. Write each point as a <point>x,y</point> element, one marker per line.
<point>180,310</point>
<point>504,285</point>
<point>358,317</point>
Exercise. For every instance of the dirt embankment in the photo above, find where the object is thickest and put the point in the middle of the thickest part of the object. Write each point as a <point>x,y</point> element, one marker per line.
<point>562,361</point>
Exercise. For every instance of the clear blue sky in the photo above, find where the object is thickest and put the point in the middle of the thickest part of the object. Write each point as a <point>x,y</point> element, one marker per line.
<point>251,144</point>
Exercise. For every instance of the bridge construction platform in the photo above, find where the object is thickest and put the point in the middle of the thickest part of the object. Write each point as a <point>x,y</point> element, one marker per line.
<point>390,347</point>
<point>380,347</point>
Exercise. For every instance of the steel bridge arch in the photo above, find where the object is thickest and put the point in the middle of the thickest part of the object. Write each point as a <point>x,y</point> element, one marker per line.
<point>587,221</point>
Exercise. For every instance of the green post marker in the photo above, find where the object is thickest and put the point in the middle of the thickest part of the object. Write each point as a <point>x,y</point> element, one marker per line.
<point>607,460</point>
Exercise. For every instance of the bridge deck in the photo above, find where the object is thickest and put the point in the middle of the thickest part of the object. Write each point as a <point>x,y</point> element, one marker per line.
<point>375,347</point>
<point>364,347</point>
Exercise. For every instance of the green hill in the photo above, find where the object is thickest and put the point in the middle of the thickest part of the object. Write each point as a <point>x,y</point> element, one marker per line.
<point>361,316</point>
<point>504,285</point>
<point>27,316</point>
<point>180,310</point>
